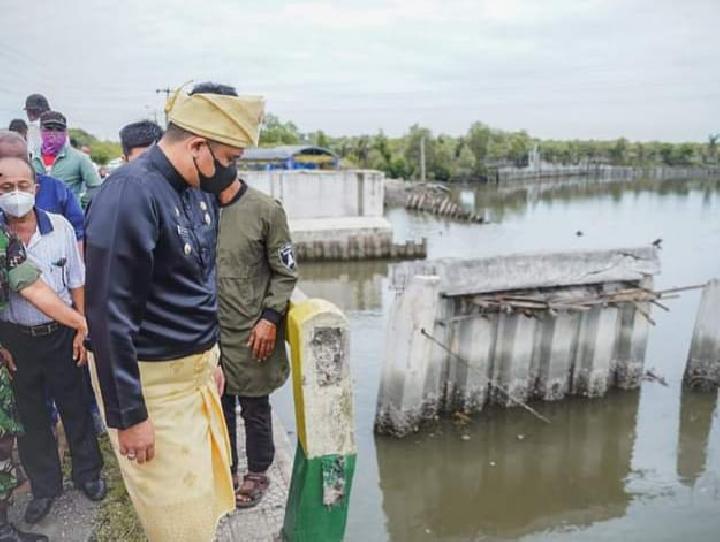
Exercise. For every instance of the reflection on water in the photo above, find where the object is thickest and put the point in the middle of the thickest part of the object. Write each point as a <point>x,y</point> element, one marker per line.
<point>352,286</point>
<point>697,411</point>
<point>514,475</point>
<point>633,466</point>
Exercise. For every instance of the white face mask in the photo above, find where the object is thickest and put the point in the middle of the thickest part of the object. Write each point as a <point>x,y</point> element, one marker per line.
<point>17,204</point>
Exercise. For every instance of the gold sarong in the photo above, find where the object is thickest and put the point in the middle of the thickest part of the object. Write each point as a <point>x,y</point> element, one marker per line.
<point>182,493</point>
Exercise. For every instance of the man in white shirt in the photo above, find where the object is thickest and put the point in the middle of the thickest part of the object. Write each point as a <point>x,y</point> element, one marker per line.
<point>43,348</point>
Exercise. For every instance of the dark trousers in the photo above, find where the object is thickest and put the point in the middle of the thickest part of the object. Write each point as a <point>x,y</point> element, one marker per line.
<point>45,363</point>
<point>259,445</point>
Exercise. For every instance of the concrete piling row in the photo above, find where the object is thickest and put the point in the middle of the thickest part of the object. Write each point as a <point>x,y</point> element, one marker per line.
<point>361,247</point>
<point>556,325</point>
<point>441,206</point>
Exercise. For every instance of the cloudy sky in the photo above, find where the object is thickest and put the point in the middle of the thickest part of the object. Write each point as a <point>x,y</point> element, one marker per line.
<point>643,69</point>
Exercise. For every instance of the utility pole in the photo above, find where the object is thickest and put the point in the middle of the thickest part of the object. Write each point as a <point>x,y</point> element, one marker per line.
<point>422,159</point>
<point>167,92</point>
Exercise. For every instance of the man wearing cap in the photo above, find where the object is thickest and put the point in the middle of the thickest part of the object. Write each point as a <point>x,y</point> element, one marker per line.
<point>58,159</point>
<point>137,137</point>
<point>151,238</point>
<point>35,105</point>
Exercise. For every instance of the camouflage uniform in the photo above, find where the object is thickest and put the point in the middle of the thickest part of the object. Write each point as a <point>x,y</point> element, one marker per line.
<point>16,272</point>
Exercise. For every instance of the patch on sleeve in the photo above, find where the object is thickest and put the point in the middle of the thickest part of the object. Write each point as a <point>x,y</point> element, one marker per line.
<point>287,256</point>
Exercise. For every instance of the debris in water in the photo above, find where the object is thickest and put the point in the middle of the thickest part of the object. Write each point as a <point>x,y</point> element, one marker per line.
<point>465,437</point>
<point>492,463</point>
<point>579,233</point>
<point>651,376</point>
<point>461,418</point>
<point>521,436</point>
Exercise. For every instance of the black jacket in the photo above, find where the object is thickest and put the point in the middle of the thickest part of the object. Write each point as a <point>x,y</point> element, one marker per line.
<point>150,277</point>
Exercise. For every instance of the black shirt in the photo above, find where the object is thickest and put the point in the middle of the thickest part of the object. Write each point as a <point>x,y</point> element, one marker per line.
<point>150,284</point>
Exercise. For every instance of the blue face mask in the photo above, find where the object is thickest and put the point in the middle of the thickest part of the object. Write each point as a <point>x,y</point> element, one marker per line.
<point>220,180</point>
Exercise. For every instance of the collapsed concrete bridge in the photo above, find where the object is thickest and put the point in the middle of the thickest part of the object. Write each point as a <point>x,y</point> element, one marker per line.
<point>508,329</point>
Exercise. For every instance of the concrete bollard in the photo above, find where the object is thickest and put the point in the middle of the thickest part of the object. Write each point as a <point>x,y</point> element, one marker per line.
<point>406,358</point>
<point>324,463</point>
<point>702,371</point>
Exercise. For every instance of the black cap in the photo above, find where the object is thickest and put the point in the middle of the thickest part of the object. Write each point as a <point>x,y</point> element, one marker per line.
<point>139,134</point>
<point>53,118</point>
<point>37,102</point>
<point>18,125</point>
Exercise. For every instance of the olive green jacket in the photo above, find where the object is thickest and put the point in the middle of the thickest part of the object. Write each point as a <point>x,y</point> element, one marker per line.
<point>256,274</point>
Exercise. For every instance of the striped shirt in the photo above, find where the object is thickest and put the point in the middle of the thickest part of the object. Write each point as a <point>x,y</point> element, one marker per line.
<point>53,248</point>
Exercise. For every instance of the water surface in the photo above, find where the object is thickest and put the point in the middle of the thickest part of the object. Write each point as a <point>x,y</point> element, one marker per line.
<point>641,465</point>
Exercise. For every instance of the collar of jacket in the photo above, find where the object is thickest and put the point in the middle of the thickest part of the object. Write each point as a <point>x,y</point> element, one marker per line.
<point>38,158</point>
<point>159,161</point>
<point>43,221</point>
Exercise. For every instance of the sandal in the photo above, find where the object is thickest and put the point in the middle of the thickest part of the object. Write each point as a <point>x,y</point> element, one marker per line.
<point>252,490</point>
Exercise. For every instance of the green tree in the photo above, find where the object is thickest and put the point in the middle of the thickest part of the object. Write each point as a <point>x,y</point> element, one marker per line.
<point>412,149</point>
<point>273,132</point>
<point>478,139</point>
<point>465,163</point>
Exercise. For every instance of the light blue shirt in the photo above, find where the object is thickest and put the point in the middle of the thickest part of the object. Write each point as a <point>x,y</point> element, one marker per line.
<point>54,249</point>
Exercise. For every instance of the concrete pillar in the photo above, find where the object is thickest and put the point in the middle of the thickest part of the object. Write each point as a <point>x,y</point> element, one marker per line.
<point>633,329</point>
<point>406,358</point>
<point>473,339</point>
<point>514,345</point>
<point>702,371</point>
<point>595,351</point>
<point>324,464</point>
<point>555,353</point>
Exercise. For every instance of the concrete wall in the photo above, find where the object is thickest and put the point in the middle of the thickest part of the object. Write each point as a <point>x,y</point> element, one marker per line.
<point>323,194</point>
<point>504,355</point>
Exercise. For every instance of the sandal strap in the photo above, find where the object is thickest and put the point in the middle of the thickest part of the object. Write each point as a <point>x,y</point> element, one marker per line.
<point>256,478</point>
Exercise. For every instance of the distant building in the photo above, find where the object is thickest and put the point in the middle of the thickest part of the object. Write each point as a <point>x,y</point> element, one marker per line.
<point>289,157</point>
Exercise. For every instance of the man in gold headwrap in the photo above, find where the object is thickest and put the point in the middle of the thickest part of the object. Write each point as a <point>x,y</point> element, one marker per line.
<point>151,236</point>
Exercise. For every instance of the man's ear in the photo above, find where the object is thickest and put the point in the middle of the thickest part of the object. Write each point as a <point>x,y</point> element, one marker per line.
<point>195,145</point>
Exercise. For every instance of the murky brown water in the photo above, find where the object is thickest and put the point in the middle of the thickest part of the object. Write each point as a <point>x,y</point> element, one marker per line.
<point>641,465</point>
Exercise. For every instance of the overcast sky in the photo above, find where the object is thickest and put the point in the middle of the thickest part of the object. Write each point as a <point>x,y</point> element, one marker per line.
<point>645,69</point>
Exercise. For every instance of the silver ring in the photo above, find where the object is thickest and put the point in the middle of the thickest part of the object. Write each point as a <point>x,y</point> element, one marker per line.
<point>131,457</point>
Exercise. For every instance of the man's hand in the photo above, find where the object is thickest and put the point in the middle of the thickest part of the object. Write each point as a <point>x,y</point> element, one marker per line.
<point>219,380</point>
<point>262,339</point>
<point>7,359</point>
<point>137,443</point>
<point>79,351</point>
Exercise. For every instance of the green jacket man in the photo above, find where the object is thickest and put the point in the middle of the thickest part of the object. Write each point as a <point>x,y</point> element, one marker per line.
<point>256,274</point>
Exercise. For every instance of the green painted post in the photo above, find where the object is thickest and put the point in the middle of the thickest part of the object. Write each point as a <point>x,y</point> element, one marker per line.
<point>324,463</point>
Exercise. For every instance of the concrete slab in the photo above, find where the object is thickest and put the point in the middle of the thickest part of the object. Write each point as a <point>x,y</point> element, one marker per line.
<point>541,270</point>
<point>72,518</point>
<point>309,230</point>
<point>264,522</point>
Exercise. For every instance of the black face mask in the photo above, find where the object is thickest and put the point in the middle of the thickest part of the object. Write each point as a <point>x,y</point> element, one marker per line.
<point>221,179</point>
